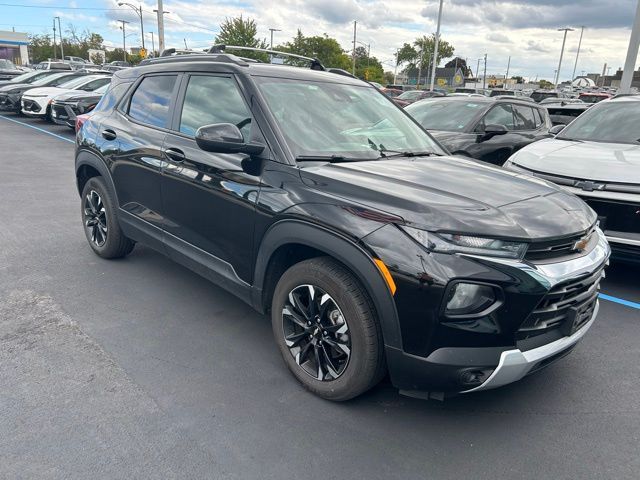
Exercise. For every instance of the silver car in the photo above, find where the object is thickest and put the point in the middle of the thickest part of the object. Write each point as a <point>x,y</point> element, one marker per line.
<point>597,157</point>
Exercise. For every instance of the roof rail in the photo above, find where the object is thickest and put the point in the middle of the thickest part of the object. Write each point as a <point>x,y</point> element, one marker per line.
<point>314,63</point>
<point>199,57</point>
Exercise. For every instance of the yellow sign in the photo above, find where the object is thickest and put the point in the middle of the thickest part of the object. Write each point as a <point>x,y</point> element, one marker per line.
<point>442,82</point>
<point>457,79</point>
<point>143,52</point>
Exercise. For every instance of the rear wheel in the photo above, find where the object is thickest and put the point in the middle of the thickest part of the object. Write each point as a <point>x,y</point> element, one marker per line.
<point>100,223</point>
<point>326,329</point>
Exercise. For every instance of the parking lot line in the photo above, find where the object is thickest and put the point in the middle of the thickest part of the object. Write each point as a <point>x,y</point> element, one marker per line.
<point>621,301</point>
<point>38,128</point>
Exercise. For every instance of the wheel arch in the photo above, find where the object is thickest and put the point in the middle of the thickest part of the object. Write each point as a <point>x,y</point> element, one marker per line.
<point>89,165</point>
<point>289,241</point>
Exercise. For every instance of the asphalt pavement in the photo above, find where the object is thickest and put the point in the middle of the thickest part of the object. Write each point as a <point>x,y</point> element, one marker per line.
<point>139,368</point>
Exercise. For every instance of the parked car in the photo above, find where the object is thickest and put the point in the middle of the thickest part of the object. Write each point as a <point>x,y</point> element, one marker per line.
<point>11,95</point>
<point>391,92</point>
<point>594,97</point>
<point>414,95</point>
<point>539,95</point>
<point>468,90</point>
<point>404,88</point>
<point>597,157</point>
<point>78,63</point>
<point>563,101</point>
<point>488,129</point>
<point>371,249</point>
<point>52,65</point>
<point>563,112</point>
<point>36,102</point>
<point>496,92</point>
<point>67,106</point>
<point>27,77</point>
<point>8,70</point>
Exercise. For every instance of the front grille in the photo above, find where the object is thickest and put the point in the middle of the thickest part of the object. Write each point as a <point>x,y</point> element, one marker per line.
<point>618,216</point>
<point>567,307</point>
<point>550,249</point>
<point>59,111</point>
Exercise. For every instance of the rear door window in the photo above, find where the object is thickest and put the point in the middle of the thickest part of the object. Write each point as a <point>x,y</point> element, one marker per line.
<point>150,102</point>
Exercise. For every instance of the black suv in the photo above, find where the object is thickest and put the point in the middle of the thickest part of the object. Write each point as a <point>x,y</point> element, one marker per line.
<point>312,196</point>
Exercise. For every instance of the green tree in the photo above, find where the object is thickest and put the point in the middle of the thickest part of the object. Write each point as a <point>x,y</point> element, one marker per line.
<point>242,33</point>
<point>423,47</point>
<point>460,63</point>
<point>368,68</point>
<point>518,79</point>
<point>545,84</point>
<point>326,49</point>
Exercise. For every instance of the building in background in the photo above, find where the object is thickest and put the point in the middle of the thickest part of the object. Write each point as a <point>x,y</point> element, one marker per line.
<point>13,47</point>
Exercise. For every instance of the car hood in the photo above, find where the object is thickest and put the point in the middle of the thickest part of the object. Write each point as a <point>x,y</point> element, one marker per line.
<point>610,162</point>
<point>14,87</point>
<point>451,140</point>
<point>455,195</point>
<point>45,91</point>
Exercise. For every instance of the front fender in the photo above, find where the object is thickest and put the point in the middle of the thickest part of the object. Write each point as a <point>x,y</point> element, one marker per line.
<point>355,257</point>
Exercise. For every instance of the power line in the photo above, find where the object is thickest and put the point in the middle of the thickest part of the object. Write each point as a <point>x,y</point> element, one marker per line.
<point>53,7</point>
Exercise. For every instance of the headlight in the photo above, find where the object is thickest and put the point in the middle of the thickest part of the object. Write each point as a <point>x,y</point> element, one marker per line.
<point>456,243</point>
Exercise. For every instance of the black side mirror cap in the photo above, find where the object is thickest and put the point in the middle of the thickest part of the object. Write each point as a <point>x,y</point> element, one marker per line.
<point>225,138</point>
<point>492,130</point>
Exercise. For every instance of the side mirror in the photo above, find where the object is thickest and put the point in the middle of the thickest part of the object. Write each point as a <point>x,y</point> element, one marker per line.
<point>225,138</point>
<point>493,130</point>
<point>556,129</point>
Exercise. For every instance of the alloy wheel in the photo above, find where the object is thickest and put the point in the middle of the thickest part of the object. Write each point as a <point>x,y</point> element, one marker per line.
<point>95,218</point>
<point>316,332</point>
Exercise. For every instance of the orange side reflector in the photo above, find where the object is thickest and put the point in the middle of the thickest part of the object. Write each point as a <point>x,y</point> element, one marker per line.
<point>386,274</point>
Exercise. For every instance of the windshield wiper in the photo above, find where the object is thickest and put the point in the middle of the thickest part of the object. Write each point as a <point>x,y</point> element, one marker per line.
<point>384,152</point>
<point>324,158</point>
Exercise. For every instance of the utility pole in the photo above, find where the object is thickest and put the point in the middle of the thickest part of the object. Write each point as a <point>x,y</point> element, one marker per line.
<point>354,48</point>
<point>153,45</point>
<point>420,68</point>
<point>564,39</point>
<point>273,30</point>
<point>508,65</point>
<point>395,72</point>
<point>435,48</point>
<point>575,65</point>
<point>160,13</point>
<point>478,70</point>
<point>484,78</point>
<point>124,39</point>
<point>55,54</point>
<point>61,41</point>
<point>632,54</point>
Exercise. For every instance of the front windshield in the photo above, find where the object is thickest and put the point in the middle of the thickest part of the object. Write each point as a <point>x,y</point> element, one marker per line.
<point>593,98</point>
<point>537,96</point>
<point>25,76</point>
<point>447,115</point>
<point>49,78</point>
<point>75,82</point>
<point>321,119</point>
<point>411,95</point>
<point>6,64</point>
<point>601,123</point>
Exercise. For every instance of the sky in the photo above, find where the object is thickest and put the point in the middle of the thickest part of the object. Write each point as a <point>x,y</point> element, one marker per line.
<point>525,30</point>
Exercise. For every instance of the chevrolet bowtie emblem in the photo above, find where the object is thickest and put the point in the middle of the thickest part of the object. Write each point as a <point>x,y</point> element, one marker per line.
<point>581,244</point>
<point>589,186</point>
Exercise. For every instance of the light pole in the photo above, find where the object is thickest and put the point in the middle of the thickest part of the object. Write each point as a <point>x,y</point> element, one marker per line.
<point>435,48</point>
<point>632,54</point>
<point>60,35</point>
<point>353,68</point>
<point>564,39</point>
<point>124,39</point>
<point>575,65</point>
<point>395,72</point>
<point>484,78</point>
<point>138,11</point>
<point>55,54</point>
<point>273,30</point>
<point>153,45</point>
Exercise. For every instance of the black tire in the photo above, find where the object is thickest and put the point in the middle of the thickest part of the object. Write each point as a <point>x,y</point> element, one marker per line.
<point>364,366</point>
<point>109,242</point>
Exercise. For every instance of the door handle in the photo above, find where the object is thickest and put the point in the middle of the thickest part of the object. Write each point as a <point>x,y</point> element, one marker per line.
<point>109,134</point>
<point>175,154</point>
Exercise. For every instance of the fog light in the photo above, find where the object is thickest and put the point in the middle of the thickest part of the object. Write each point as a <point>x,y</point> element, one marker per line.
<point>474,377</point>
<point>469,298</point>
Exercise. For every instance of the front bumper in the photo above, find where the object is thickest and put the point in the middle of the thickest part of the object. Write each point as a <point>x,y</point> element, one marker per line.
<point>9,103</point>
<point>34,106</point>
<point>63,114</point>
<point>435,357</point>
<point>516,364</point>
